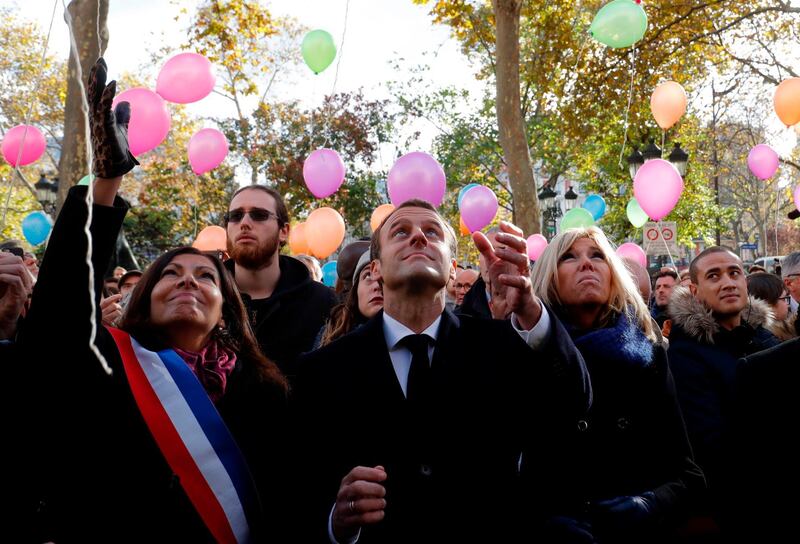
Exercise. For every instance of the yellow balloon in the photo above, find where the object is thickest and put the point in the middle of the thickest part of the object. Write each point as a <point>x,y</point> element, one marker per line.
<point>211,238</point>
<point>324,231</point>
<point>380,213</point>
<point>787,101</point>
<point>668,103</point>
<point>297,239</point>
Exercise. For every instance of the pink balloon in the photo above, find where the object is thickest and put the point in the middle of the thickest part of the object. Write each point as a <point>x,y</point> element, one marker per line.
<point>631,251</point>
<point>478,207</point>
<point>32,148</point>
<point>763,161</point>
<point>657,188</point>
<point>416,175</point>
<point>323,172</point>
<point>536,246</point>
<point>207,149</point>
<point>149,119</point>
<point>185,78</point>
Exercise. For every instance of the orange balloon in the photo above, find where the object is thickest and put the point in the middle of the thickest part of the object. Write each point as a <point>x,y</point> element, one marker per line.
<point>668,104</point>
<point>379,215</point>
<point>324,232</point>
<point>297,239</point>
<point>787,101</point>
<point>211,238</point>
<point>462,227</point>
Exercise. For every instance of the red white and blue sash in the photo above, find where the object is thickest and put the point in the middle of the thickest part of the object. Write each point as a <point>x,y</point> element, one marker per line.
<point>193,438</point>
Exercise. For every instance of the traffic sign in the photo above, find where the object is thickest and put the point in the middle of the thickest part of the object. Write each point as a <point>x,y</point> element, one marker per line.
<point>749,246</point>
<point>660,238</point>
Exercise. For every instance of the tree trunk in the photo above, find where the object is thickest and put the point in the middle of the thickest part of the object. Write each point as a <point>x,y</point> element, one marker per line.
<point>84,13</point>
<point>510,122</point>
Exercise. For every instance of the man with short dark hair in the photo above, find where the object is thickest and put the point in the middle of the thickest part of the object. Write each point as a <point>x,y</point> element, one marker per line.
<point>665,281</point>
<point>423,419</point>
<point>286,307</point>
<point>712,328</point>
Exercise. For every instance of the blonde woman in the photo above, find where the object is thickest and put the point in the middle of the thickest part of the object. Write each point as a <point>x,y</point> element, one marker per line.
<point>626,472</point>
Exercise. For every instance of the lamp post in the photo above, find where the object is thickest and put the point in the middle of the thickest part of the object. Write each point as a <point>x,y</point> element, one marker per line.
<point>550,211</point>
<point>570,198</point>
<point>635,161</point>
<point>652,151</point>
<point>679,159</point>
<point>46,193</point>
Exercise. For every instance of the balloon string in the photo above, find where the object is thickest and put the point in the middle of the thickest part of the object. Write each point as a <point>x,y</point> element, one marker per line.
<point>90,192</point>
<point>336,74</point>
<point>628,108</point>
<point>663,138</point>
<point>28,116</point>
<point>666,246</point>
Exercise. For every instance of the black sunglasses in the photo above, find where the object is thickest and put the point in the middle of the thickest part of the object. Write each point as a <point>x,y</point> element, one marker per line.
<point>256,214</point>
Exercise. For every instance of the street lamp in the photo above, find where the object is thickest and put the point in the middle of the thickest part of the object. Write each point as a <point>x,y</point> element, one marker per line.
<point>570,198</point>
<point>679,159</point>
<point>551,211</point>
<point>635,161</point>
<point>652,151</point>
<point>46,193</point>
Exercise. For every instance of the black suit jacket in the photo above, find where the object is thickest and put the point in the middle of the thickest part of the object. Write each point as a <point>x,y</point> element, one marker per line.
<point>458,478</point>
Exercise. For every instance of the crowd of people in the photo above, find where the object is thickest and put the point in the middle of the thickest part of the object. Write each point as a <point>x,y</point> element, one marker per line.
<point>576,399</point>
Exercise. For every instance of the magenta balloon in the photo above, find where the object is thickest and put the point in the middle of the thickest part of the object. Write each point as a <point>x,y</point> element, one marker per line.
<point>32,148</point>
<point>185,78</point>
<point>536,246</point>
<point>631,251</point>
<point>657,188</point>
<point>149,119</point>
<point>207,149</point>
<point>416,175</point>
<point>478,207</point>
<point>323,172</point>
<point>763,161</point>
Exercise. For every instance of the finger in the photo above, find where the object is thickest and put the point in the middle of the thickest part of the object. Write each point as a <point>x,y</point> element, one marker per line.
<point>123,113</point>
<point>363,506</point>
<point>97,80</point>
<point>361,489</point>
<point>518,282</point>
<point>364,473</point>
<point>107,99</point>
<point>513,241</point>
<point>519,260</point>
<point>362,519</point>
<point>511,228</point>
<point>484,246</point>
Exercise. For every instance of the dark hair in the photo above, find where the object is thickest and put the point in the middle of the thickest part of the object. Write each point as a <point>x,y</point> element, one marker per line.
<point>375,241</point>
<point>767,287</point>
<point>280,206</point>
<point>756,269</point>
<point>345,316</point>
<point>704,253</point>
<point>664,273</point>
<point>240,338</point>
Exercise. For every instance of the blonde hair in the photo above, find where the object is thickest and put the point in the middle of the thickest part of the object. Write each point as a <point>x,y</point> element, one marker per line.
<point>624,295</point>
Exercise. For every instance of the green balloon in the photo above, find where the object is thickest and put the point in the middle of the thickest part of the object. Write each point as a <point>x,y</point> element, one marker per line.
<point>318,50</point>
<point>85,180</point>
<point>620,23</point>
<point>636,215</point>
<point>577,218</point>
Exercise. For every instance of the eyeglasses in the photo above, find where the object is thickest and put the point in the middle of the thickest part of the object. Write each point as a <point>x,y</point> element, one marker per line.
<point>256,214</point>
<point>466,286</point>
<point>787,299</point>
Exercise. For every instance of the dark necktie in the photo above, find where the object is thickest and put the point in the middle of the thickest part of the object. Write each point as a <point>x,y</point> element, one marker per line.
<point>419,375</point>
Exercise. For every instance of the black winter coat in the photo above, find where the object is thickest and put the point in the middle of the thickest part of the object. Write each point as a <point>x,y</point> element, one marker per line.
<point>103,477</point>
<point>632,441</point>
<point>286,324</point>
<point>475,303</point>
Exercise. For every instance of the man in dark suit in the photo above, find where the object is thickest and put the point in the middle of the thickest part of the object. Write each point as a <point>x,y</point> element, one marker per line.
<point>422,419</point>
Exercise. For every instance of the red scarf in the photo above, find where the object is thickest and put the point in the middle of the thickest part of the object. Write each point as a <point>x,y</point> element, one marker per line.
<point>212,366</point>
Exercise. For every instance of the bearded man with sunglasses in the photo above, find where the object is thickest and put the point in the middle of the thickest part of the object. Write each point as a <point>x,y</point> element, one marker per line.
<point>286,307</point>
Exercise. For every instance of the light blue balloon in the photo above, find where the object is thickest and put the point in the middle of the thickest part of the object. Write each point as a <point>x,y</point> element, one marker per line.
<point>329,273</point>
<point>86,180</point>
<point>595,205</point>
<point>36,227</point>
<point>463,191</point>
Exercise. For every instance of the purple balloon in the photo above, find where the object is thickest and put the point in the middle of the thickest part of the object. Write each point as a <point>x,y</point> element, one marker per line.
<point>29,138</point>
<point>416,175</point>
<point>478,207</point>
<point>185,78</point>
<point>763,161</point>
<point>149,119</point>
<point>536,246</point>
<point>207,149</point>
<point>657,188</point>
<point>323,172</point>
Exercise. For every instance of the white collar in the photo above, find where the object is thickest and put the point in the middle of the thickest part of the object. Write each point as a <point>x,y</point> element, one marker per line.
<point>394,331</point>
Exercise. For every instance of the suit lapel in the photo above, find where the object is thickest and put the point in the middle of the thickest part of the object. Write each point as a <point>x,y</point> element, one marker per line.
<point>377,363</point>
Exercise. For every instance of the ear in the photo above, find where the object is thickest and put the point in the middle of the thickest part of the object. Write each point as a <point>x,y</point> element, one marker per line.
<point>453,271</point>
<point>693,289</point>
<point>375,270</point>
<point>283,233</point>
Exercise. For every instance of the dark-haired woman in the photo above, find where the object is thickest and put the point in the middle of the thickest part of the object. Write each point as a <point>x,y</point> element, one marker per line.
<point>770,289</point>
<point>181,439</point>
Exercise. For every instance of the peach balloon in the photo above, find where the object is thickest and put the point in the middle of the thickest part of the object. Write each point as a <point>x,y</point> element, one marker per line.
<point>297,239</point>
<point>211,238</point>
<point>668,104</point>
<point>464,229</point>
<point>324,232</point>
<point>787,101</point>
<point>380,213</point>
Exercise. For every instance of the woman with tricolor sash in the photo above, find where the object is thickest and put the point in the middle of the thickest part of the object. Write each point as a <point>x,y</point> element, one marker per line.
<point>170,428</point>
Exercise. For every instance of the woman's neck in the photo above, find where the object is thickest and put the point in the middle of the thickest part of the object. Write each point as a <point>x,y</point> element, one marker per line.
<point>584,317</point>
